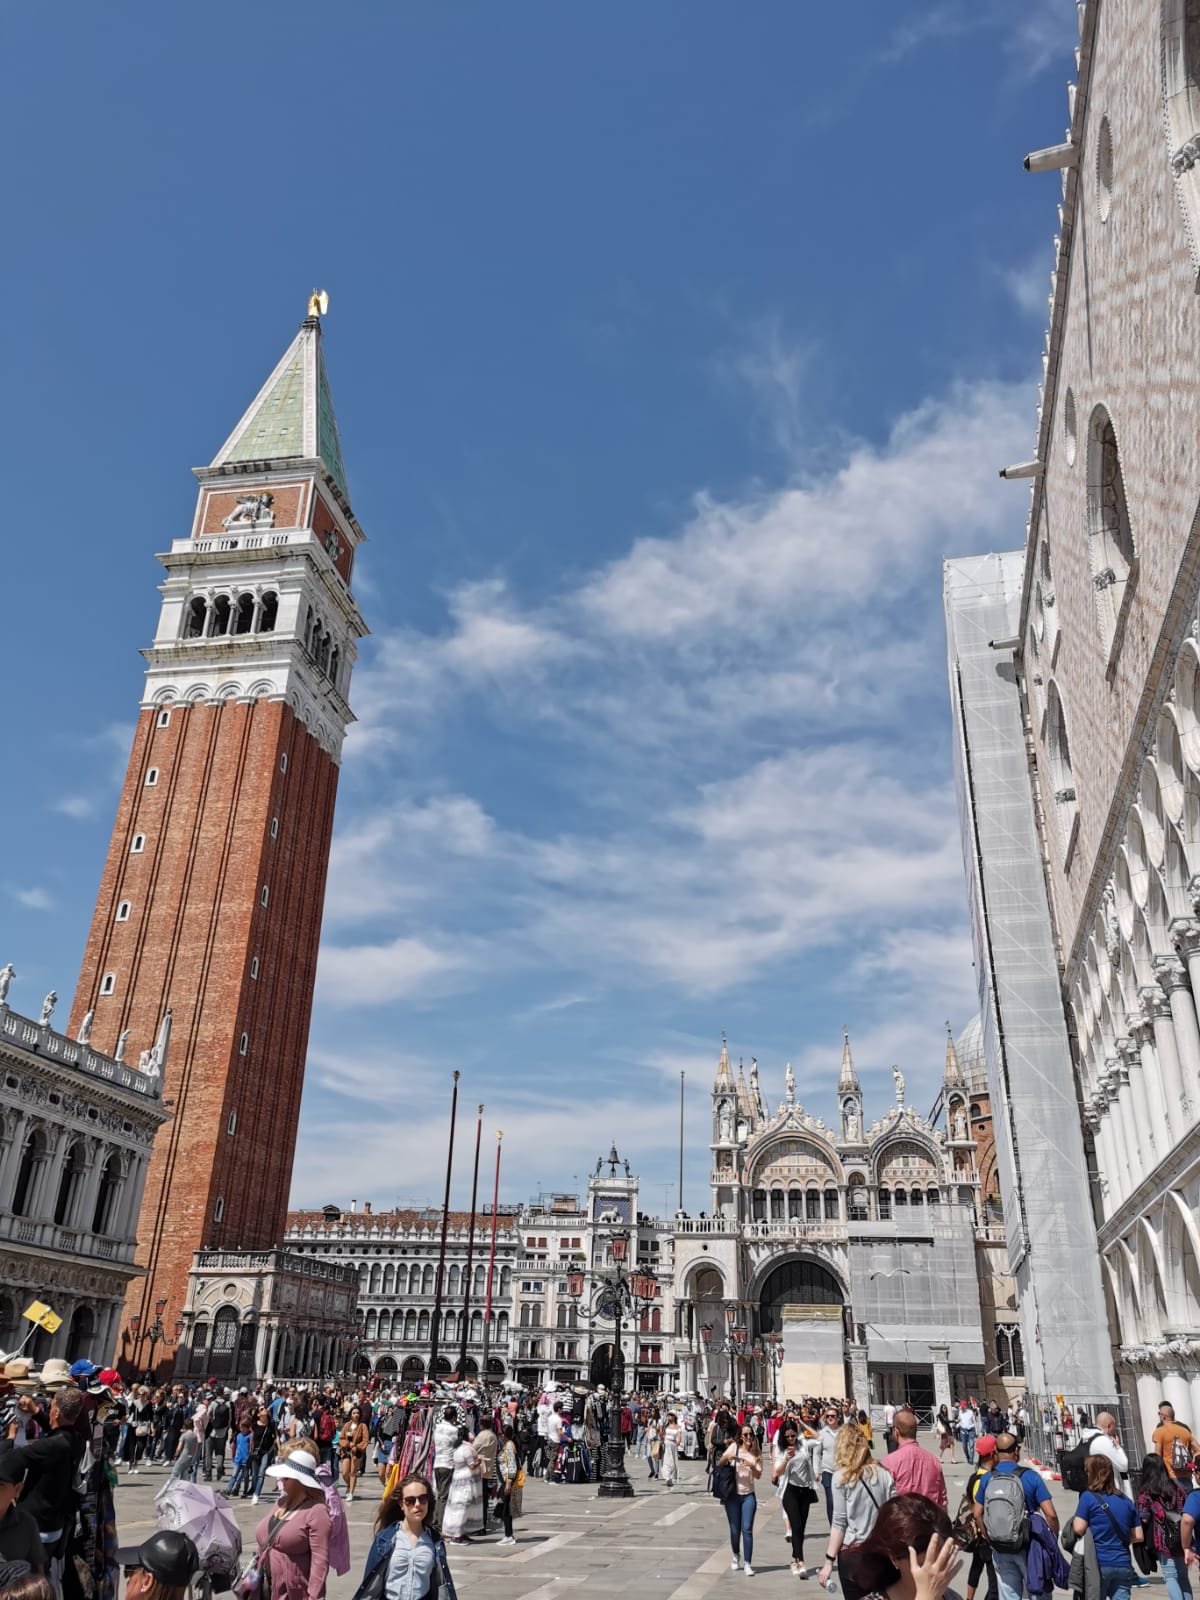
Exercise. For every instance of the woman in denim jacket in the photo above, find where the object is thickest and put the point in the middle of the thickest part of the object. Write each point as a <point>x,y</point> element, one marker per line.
<point>407,1558</point>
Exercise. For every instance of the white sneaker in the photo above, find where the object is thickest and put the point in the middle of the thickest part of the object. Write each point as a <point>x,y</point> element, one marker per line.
<point>734,1564</point>
<point>254,1500</point>
<point>349,1497</point>
<point>749,1572</point>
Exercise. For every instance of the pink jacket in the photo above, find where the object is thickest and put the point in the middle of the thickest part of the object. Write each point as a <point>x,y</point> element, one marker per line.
<point>299,1554</point>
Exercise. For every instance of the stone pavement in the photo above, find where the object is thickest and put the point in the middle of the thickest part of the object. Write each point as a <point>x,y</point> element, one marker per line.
<point>663,1544</point>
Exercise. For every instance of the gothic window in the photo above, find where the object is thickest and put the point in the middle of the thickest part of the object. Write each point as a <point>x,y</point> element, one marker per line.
<point>224,1341</point>
<point>269,613</point>
<point>333,666</point>
<point>1018,1354</point>
<point>832,1208</point>
<point>221,610</point>
<point>1110,541</point>
<point>195,617</point>
<point>776,1205</point>
<point>759,1205</point>
<point>247,1341</point>
<point>69,1184</point>
<point>32,1158</point>
<point>901,1197</point>
<point>812,1206</point>
<point>376,1278</point>
<point>885,1205</point>
<point>243,620</point>
<point>200,1346</point>
<point>918,1198</point>
<point>795,1202</point>
<point>389,1279</point>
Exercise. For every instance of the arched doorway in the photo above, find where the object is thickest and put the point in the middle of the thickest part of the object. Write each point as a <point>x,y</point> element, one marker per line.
<point>82,1332</point>
<point>601,1369</point>
<point>802,1301</point>
<point>796,1283</point>
<point>386,1366</point>
<point>413,1370</point>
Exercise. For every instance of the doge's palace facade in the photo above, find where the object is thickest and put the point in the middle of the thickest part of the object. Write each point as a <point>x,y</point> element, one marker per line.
<point>1109,660</point>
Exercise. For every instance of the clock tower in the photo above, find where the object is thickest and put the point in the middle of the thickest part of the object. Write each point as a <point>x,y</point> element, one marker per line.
<point>211,899</point>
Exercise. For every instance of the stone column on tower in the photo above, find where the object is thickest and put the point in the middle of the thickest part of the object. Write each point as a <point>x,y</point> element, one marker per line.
<point>211,898</point>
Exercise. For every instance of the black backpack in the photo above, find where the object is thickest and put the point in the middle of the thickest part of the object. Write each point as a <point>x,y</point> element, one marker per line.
<point>1074,1470</point>
<point>220,1417</point>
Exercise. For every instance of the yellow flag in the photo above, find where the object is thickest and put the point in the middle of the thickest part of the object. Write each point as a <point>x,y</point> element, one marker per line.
<point>42,1315</point>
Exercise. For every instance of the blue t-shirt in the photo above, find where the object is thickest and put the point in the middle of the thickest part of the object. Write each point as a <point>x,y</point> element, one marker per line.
<point>1191,1506</point>
<point>1112,1550</point>
<point>1032,1482</point>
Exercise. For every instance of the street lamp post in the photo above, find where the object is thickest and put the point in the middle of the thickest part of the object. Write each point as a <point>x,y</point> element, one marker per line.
<point>773,1352</point>
<point>156,1333</point>
<point>613,1296</point>
<point>735,1346</point>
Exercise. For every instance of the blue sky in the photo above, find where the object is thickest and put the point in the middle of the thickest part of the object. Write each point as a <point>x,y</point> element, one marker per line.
<point>672,348</point>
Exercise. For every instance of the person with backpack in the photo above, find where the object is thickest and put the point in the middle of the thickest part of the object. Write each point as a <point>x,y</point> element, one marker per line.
<point>216,1436</point>
<point>1006,1501</point>
<point>860,1488</point>
<point>1160,1504</point>
<point>1113,1523</point>
<point>966,1528</point>
<point>1175,1443</point>
<point>326,1426</point>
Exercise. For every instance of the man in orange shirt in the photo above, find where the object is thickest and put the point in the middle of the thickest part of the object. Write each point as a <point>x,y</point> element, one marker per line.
<point>1175,1443</point>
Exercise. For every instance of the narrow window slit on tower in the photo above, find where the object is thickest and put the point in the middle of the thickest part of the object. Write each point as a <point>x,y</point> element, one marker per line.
<point>151,777</point>
<point>269,612</point>
<point>196,617</point>
<point>244,617</point>
<point>123,911</point>
<point>221,611</point>
<point>266,894</point>
<point>138,845</point>
<point>108,983</point>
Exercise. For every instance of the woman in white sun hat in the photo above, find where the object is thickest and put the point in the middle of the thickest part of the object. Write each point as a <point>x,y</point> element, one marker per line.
<point>293,1541</point>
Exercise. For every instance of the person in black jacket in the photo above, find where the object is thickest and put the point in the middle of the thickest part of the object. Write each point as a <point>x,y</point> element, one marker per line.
<point>51,1466</point>
<point>19,1536</point>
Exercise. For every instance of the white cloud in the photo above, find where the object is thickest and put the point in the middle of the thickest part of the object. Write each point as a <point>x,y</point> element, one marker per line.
<point>374,974</point>
<point>77,806</point>
<point>34,899</point>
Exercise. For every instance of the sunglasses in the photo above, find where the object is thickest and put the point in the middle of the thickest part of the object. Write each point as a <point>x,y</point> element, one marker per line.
<point>416,1499</point>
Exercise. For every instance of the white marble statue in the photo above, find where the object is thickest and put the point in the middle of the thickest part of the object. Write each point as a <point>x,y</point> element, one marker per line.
<point>119,1052</point>
<point>48,1005</point>
<point>726,1124</point>
<point>852,1126</point>
<point>789,1079</point>
<point>960,1124</point>
<point>7,973</point>
<point>85,1027</point>
<point>899,1079</point>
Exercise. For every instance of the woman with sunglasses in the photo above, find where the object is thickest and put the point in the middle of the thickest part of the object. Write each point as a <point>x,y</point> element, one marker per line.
<point>795,1478</point>
<point>744,1457</point>
<point>407,1556</point>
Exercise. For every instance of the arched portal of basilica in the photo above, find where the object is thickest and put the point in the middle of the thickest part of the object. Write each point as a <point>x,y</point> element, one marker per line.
<point>804,1304</point>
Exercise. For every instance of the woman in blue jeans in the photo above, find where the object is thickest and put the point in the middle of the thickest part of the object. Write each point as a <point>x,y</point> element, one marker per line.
<point>744,1457</point>
<point>1114,1526</point>
<point>1158,1495</point>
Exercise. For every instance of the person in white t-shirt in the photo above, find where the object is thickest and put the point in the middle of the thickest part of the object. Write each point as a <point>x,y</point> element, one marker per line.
<point>1106,1442</point>
<point>445,1443</point>
<point>554,1433</point>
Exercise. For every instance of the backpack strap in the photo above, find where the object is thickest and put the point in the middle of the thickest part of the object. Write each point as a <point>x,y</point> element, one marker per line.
<point>1103,1499</point>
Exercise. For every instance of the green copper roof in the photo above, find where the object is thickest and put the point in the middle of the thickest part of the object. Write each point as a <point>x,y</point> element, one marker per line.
<point>292,417</point>
<point>277,428</point>
<point>328,445</point>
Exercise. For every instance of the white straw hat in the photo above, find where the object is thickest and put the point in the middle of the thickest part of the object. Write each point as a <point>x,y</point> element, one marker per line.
<point>301,1466</point>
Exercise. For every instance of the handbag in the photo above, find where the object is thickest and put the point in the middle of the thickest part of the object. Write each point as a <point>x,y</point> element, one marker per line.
<point>256,1578</point>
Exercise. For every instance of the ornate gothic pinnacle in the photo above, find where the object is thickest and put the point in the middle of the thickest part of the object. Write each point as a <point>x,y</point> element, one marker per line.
<point>847,1078</point>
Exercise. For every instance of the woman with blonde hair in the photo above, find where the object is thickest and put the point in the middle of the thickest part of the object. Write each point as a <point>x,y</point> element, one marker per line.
<point>860,1487</point>
<point>293,1540</point>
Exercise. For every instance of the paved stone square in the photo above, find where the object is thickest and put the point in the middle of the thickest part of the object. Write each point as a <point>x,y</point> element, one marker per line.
<point>663,1544</point>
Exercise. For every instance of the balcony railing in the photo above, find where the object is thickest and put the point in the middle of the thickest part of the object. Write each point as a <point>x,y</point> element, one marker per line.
<point>51,1237</point>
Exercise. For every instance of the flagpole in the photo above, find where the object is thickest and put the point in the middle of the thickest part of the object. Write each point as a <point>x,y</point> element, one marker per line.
<point>487,1315</point>
<point>462,1344</point>
<point>682,1075</point>
<point>441,1266</point>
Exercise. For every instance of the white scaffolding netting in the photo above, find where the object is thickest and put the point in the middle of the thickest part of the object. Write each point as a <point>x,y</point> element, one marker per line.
<point>1036,1115</point>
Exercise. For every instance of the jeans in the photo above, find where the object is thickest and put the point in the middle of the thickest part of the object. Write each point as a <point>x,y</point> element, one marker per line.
<point>240,1479</point>
<point>261,1463</point>
<point>655,1465</point>
<point>827,1485</point>
<point>1174,1570</point>
<point>740,1509</point>
<point>442,1477</point>
<point>639,1440</point>
<point>968,1444</point>
<point>795,1508</point>
<point>1116,1582</point>
<point>1010,1574</point>
<point>214,1453</point>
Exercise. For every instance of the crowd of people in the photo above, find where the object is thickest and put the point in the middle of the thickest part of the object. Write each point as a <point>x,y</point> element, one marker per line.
<point>452,1469</point>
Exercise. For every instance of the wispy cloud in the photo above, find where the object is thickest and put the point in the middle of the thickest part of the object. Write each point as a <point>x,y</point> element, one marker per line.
<point>34,899</point>
<point>77,806</point>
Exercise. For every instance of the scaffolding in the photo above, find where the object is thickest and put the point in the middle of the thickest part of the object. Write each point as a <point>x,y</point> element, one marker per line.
<point>1053,1253</point>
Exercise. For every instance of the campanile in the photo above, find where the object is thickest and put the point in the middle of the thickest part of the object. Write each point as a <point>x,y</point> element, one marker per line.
<point>211,899</point>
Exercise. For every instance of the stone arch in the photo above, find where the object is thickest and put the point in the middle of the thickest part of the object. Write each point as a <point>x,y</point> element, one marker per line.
<point>807,1153</point>
<point>1127,1289</point>
<point>1062,776</point>
<point>1181,112</point>
<point>1155,1306</point>
<point>1111,547</point>
<point>796,1280</point>
<point>1189,1234</point>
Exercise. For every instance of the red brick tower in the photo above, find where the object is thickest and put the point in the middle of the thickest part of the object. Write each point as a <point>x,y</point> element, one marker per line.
<point>210,904</point>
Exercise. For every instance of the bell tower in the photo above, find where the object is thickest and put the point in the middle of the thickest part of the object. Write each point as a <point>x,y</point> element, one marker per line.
<point>211,898</point>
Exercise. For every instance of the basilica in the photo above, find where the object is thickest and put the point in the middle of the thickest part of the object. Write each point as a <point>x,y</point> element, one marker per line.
<point>867,1258</point>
